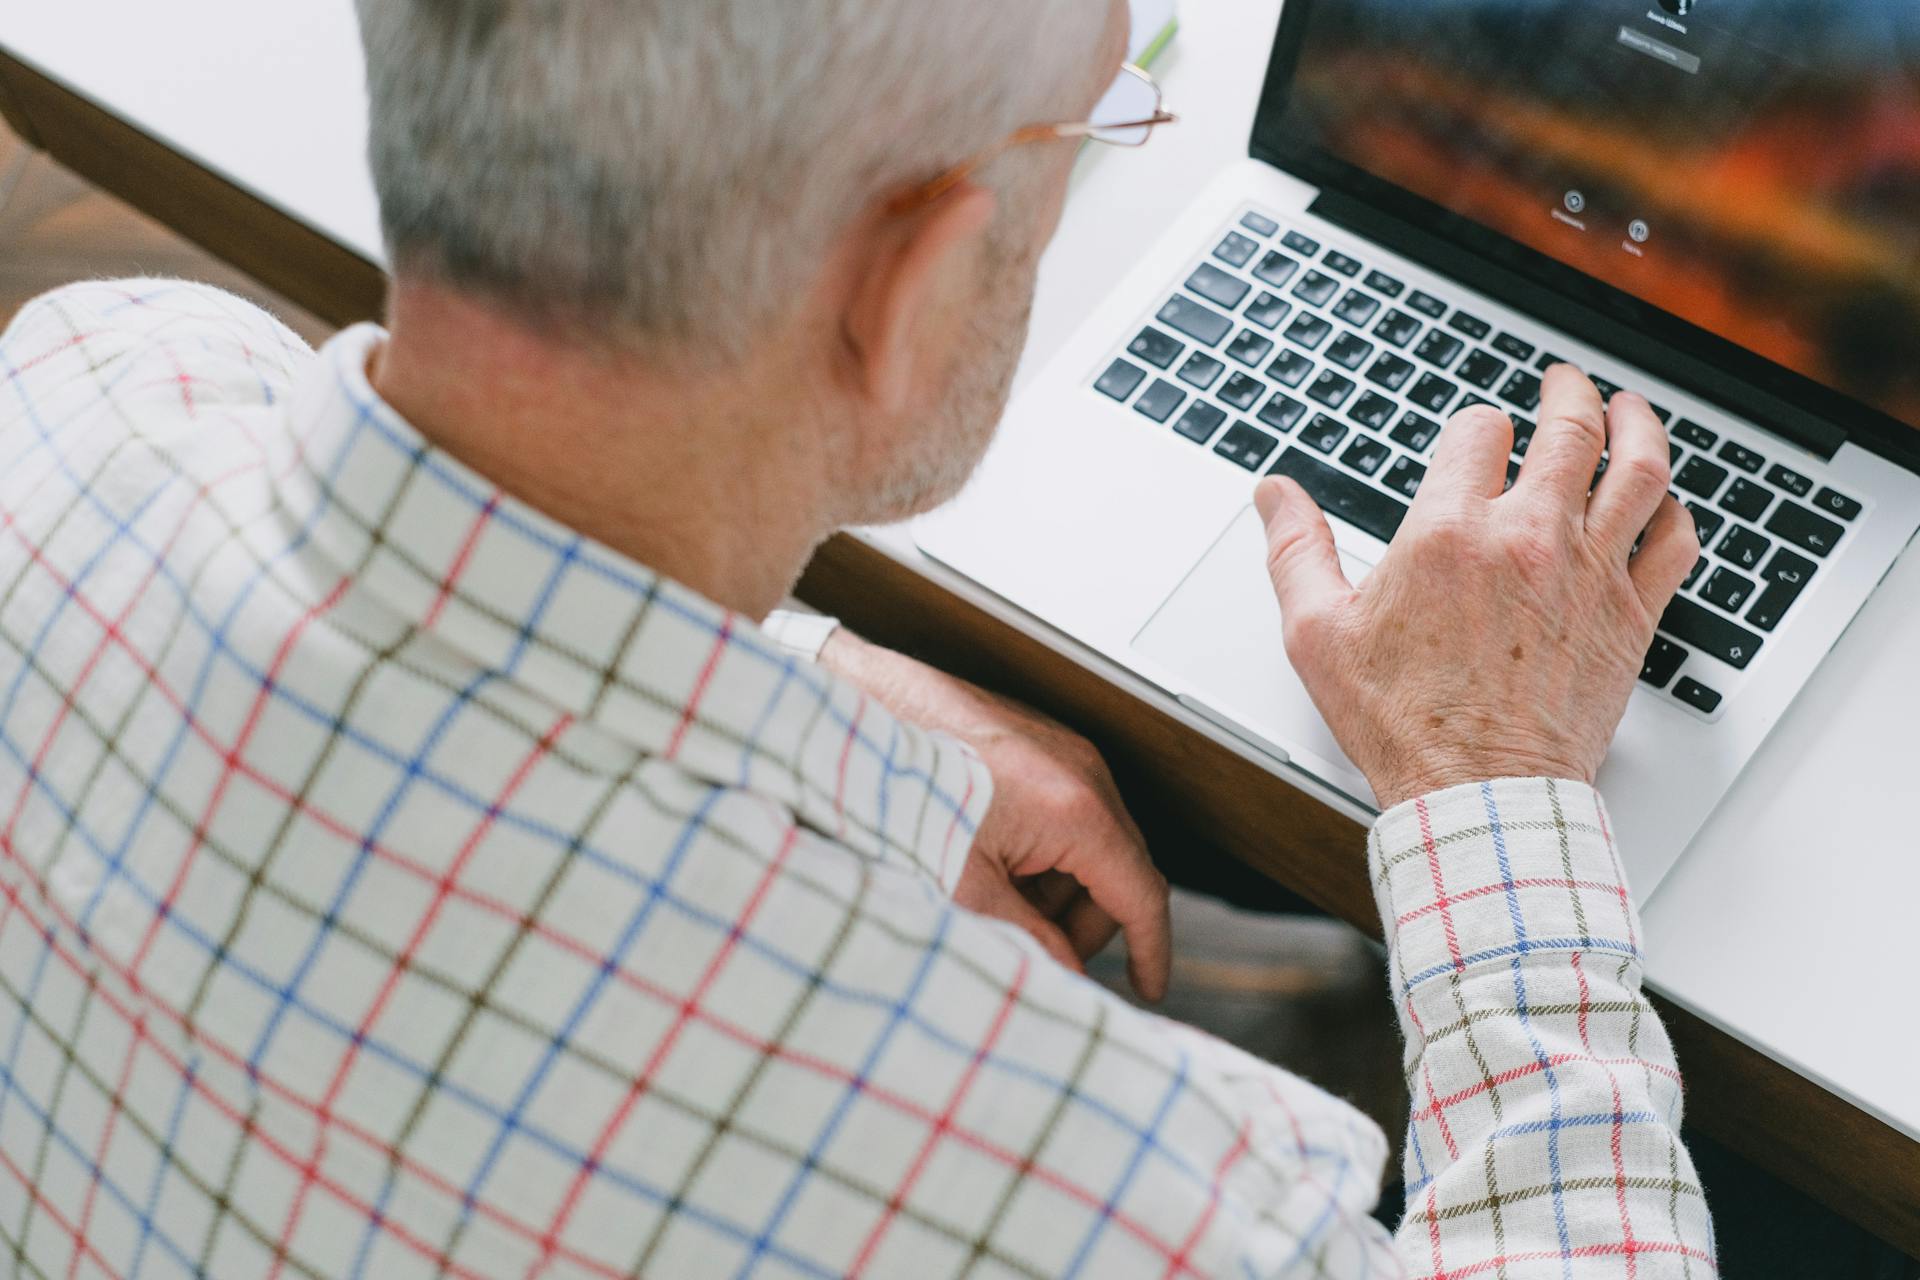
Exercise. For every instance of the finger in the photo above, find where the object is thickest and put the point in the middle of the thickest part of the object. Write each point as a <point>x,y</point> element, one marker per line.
<point>1088,927</point>
<point>1007,903</point>
<point>1568,443</point>
<point>1667,555</point>
<point>1638,472</point>
<point>1472,456</point>
<point>1123,882</point>
<point>1301,557</point>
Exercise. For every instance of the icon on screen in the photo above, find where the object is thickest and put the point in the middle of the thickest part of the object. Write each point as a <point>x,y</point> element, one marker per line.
<point>1576,202</point>
<point>1640,232</point>
<point>1678,8</point>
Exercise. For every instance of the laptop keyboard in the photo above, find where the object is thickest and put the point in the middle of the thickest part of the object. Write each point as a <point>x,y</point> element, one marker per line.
<point>1281,355</point>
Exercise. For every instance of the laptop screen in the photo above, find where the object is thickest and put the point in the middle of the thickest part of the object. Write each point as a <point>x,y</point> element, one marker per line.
<point>1751,167</point>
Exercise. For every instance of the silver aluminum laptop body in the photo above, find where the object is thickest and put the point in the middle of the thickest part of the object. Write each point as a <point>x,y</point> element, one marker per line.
<point>1138,542</point>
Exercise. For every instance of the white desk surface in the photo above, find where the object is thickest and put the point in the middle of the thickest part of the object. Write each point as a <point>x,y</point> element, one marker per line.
<point>1787,924</point>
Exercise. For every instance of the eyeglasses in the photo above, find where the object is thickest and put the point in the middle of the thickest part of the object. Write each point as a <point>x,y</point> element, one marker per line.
<point>1132,109</point>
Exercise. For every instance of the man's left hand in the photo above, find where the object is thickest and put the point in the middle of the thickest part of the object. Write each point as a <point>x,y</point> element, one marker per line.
<point>1057,855</point>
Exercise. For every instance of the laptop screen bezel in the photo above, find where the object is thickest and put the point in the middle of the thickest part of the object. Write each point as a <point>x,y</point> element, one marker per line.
<point>1863,423</point>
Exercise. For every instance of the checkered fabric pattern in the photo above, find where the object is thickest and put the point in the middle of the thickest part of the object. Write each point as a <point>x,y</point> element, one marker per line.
<point>398,884</point>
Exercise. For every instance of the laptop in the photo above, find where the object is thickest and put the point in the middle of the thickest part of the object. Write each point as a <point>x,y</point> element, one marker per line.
<point>1715,203</point>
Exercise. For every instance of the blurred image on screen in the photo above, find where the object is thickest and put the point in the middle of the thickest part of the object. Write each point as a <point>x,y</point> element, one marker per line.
<point>1751,166</point>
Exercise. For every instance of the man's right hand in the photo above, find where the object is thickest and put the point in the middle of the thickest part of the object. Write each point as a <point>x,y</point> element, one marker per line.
<point>1502,633</point>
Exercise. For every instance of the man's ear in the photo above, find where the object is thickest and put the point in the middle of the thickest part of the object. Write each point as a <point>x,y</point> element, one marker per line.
<point>908,261</point>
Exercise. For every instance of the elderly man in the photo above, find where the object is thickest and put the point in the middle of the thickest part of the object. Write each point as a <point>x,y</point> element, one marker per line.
<point>418,860</point>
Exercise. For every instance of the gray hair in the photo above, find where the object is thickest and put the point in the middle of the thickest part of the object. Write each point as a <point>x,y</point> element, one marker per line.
<point>672,172</point>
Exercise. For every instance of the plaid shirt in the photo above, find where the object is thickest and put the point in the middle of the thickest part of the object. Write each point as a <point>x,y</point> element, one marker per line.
<point>398,884</point>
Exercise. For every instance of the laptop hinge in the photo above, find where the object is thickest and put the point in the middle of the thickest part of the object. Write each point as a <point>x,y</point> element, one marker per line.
<point>1615,335</point>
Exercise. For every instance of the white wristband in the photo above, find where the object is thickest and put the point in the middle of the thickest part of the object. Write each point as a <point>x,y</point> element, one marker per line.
<point>803,635</point>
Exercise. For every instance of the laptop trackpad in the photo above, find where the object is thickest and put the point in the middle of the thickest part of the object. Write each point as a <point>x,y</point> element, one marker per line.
<point>1219,636</point>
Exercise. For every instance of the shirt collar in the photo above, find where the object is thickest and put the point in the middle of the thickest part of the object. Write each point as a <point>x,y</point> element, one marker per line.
<point>521,597</point>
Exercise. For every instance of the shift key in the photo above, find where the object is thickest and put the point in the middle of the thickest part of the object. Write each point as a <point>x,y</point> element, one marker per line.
<point>1695,625</point>
<point>1340,495</point>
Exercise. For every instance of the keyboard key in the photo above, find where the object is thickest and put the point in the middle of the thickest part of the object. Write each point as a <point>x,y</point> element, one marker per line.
<point>1268,311</point>
<point>1323,433</point>
<point>1242,391</point>
<point>1358,503</point>
<point>1836,504</point>
<point>1217,287</point>
<point>1281,413</point>
<point>1790,569</point>
<point>1513,348</point>
<point>1365,455</point>
<point>1276,269</point>
<point>1742,457</point>
<point>1357,308</point>
<point>1794,523</point>
<point>1396,328</point>
<point>1691,432</point>
<point>1308,330</point>
<point>1427,305</point>
<point>1381,282</point>
<point>1432,393</point>
<point>1201,370</point>
<point>1203,324</point>
<point>1523,429</point>
<point>1522,390</point>
<point>1482,368</point>
<point>1706,523</point>
<point>1300,244</point>
<point>1513,474</point>
<point>1607,390</point>
<point>1290,368</point>
<point>1250,348</point>
<point>1316,289</point>
<point>1701,478</point>
<point>1786,578</point>
<point>1337,261</point>
<point>1547,360</point>
<point>1471,399</point>
<point>1236,250</point>
<point>1473,326</point>
<point>1330,389</point>
<point>1247,446</point>
<point>1121,380</point>
<point>1728,589</point>
<point>1661,412</point>
<point>1156,348</point>
<point>1415,431</point>
<point>1707,631</point>
<point>1260,225</point>
<point>1792,481</point>
<point>1747,500</point>
<point>1404,476</point>
<point>1372,411</point>
<point>1391,371</point>
<point>1440,349</point>
<point>1349,351</point>
<point>1743,548</point>
<point>1699,568</point>
<point>1200,421</point>
<point>1663,663</point>
<point>1673,453</point>
<point>1160,400</point>
<point>1697,695</point>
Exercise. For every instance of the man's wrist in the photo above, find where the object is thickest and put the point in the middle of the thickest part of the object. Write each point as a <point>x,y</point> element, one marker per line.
<point>1442,772</point>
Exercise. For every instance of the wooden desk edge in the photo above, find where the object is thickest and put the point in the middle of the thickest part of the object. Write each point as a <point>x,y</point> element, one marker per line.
<point>1184,788</point>
<point>333,282</point>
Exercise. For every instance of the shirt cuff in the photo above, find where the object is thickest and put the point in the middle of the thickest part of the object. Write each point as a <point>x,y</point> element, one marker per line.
<point>1490,871</point>
<point>800,635</point>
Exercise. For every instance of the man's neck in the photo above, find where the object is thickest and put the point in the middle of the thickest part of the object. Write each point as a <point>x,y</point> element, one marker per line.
<point>698,478</point>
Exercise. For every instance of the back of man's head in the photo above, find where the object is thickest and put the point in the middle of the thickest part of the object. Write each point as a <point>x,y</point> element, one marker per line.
<point>668,174</point>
